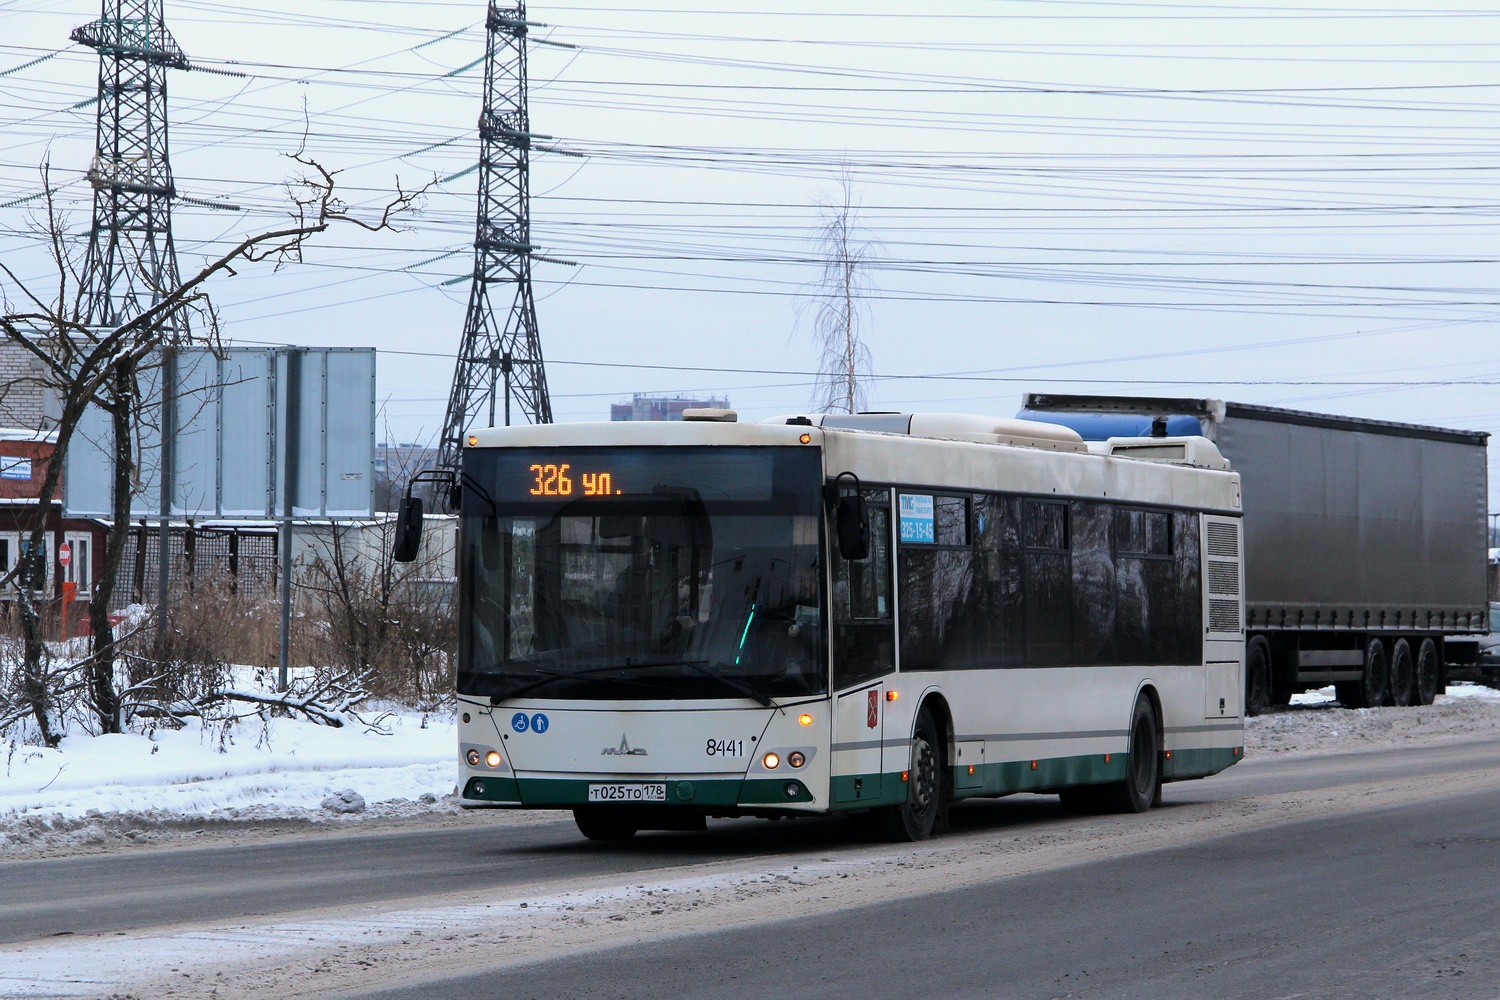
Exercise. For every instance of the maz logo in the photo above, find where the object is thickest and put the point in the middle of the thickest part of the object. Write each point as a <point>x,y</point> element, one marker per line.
<point>623,750</point>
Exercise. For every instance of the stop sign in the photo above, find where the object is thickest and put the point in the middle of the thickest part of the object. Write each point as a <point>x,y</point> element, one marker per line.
<point>64,554</point>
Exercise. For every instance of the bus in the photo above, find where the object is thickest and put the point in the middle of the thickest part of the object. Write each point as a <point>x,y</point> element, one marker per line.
<point>872,614</point>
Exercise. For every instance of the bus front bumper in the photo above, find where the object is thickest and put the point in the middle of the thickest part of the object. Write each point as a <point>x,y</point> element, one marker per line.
<point>717,795</point>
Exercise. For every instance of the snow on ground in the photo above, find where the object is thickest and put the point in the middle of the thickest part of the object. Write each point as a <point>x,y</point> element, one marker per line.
<point>98,790</point>
<point>279,764</point>
<point>92,788</point>
<point>1316,723</point>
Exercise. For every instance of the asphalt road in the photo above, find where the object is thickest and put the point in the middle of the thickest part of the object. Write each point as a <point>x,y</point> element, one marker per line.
<point>1403,902</point>
<point>150,888</point>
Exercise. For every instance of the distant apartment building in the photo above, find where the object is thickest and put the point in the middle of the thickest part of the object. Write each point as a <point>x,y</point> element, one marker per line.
<point>647,406</point>
<point>395,463</point>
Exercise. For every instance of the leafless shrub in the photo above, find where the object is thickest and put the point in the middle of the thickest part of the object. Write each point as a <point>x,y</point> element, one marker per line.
<point>391,623</point>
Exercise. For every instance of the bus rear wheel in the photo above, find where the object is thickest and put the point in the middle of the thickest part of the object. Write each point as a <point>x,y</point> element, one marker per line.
<point>1142,785</point>
<point>915,818</point>
<point>603,824</point>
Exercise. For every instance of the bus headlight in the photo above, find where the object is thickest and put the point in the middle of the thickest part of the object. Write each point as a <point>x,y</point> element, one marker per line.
<point>771,761</point>
<point>795,758</point>
<point>472,757</point>
<point>492,758</point>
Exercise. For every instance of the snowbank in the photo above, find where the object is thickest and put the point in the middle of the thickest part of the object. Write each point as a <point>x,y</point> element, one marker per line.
<point>1315,723</point>
<point>253,770</point>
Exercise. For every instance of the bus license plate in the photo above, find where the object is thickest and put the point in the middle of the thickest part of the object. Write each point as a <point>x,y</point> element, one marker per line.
<point>628,793</point>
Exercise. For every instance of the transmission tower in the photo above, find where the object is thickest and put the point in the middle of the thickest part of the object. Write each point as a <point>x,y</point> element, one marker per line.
<point>131,261</point>
<point>500,355</point>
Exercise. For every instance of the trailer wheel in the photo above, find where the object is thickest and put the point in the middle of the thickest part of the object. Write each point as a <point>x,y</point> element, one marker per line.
<point>1257,676</point>
<point>1403,675</point>
<point>1425,679</point>
<point>1369,691</point>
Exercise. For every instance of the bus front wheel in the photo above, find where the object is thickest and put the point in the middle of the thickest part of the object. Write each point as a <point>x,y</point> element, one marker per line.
<point>603,824</point>
<point>915,818</point>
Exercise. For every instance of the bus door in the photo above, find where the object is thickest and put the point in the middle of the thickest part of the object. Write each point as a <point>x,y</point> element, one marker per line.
<point>864,643</point>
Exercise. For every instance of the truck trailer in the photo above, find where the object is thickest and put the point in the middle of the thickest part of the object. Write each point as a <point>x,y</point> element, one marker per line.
<point>1365,541</point>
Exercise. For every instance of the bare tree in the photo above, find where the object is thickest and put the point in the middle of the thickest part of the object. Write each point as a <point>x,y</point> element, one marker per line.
<point>82,364</point>
<point>837,304</point>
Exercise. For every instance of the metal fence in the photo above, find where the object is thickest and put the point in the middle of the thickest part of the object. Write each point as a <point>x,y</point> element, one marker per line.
<point>245,558</point>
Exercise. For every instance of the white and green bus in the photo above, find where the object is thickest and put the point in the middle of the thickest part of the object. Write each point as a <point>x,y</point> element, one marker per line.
<point>876,614</point>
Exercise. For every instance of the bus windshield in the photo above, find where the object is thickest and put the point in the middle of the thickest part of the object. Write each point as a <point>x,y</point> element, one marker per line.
<point>641,573</point>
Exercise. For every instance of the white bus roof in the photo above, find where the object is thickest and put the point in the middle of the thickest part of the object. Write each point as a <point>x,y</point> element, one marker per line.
<point>938,451</point>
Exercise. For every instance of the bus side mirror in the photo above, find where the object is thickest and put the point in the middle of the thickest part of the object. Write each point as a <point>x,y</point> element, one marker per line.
<point>408,530</point>
<point>852,522</point>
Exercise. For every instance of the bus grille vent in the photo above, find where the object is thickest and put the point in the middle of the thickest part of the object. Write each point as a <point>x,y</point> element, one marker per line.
<point>1223,614</point>
<point>1224,578</point>
<point>1224,539</point>
<point>1221,567</point>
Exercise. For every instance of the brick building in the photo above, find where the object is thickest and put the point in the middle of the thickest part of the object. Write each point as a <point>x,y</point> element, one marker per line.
<point>27,442</point>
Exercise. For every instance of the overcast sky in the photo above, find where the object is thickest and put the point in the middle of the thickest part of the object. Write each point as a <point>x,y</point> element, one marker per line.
<point>1289,204</point>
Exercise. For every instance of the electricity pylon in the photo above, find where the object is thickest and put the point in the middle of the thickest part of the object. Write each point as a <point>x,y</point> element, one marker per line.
<point>500,355</point>
<point>131,261</point>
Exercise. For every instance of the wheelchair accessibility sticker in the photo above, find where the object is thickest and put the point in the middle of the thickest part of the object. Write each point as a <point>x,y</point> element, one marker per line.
<point>537,723</point>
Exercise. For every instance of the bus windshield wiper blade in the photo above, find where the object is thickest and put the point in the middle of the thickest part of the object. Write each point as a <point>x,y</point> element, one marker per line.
<point>554,675</point>
<point>520,689</point>
<point>739,687</point>
<point>729,682</point>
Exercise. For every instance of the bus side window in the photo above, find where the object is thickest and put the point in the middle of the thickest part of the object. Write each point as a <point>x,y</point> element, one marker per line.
<point>863,629</point>
<point>999,626</point>
<point>1048,583</point>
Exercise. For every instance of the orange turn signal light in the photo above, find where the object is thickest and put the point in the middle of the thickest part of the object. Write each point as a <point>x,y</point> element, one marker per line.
<point>805,438</point>
<point>473,440</point>
<point>1033,765</point>
<point>892,695</point>
<point>804,719</point>
<point>905,775</point>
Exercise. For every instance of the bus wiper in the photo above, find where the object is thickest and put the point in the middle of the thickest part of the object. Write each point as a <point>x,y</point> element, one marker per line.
<point>698,665</point>
<point>553,675</point>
